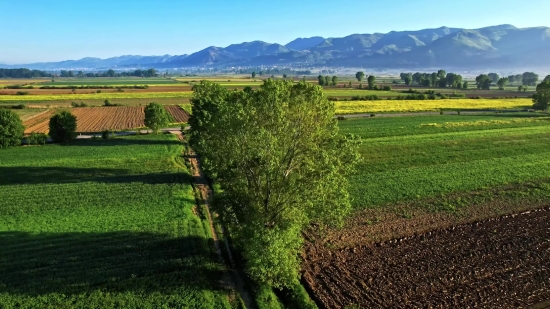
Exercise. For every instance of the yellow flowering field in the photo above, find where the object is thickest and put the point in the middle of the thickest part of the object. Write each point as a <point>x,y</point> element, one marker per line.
<point>380,106</point>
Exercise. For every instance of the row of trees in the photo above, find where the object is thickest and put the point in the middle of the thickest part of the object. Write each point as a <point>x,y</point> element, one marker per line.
<point>436,79</point>
<point>22,73</point>
<point>109,73</point>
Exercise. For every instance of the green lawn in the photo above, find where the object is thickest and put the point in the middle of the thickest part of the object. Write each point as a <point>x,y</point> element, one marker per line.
<point>407,158</point>
<point>104,224</point>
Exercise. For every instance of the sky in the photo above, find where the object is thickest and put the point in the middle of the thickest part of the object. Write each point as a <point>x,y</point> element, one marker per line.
<point>55,30</point>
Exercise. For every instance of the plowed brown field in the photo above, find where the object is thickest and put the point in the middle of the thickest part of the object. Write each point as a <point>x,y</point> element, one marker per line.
<point>497,263</point>
<point>177,113</point>
<point>97,119</point>
<point>38,123</point>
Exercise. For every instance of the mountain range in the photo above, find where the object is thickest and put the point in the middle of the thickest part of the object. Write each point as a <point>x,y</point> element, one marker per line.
<point>502,46</point>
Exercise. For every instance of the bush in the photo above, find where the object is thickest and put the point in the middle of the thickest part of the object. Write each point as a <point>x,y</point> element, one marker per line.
<point>22,93</point>
<point>297,297</point>
<point>63,127</point>
<point>341,118</point>
<point>105,134</point>
<point>266,299</point>
<point>20,106</point>
<point>11,129</point>
<point>387,88</point>
<point>37,139</point>
<point>372,115</point>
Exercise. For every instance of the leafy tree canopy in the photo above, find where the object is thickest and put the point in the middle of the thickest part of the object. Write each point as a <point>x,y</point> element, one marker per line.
<point>63,127</point>
<point>156,117</point>
<point>541,98</point>
<point>11,129</point>
<point>360,75</point>
<point>281,164</point>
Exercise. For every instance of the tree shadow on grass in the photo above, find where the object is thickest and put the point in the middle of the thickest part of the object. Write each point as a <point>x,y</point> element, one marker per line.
<point>13,175</point>
<point>509,115</point>
<point>76,263</point>
<point>122,141</point>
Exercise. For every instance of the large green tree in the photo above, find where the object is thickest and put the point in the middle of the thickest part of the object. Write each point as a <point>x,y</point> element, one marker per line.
<point>335,80</point>
<point>281,164</point>
<point>11,129</point>
<point>494,77</point>
<point>321,80</point>
<point>371,80</point>
<point>156,117</point>
<point>502,82</point>
<point>483,82</point>
<point>529,79</point>
<point>63,127</point>
<point>541,98</point>
<point>360,75</point>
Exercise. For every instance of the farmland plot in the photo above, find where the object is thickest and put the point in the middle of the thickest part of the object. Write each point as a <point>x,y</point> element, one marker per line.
<point>104,224</point>
<point>97,119</point>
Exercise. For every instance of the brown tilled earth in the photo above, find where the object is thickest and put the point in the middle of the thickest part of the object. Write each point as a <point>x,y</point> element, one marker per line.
<point>496,263</point>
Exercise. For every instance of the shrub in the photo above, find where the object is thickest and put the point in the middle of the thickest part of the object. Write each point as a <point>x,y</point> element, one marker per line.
<point>20,106</point>
<point>22,93</point>
<point>341,118</point>
<point>372,115</point>
<point>63,127</point>
<point>387,88</point>
<point>105,134</point>
<point>11,129</point>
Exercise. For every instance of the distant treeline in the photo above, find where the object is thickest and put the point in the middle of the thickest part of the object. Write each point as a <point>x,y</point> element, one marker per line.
<point>272,71</point>
<point>110,73</point>
<point>22,73</point>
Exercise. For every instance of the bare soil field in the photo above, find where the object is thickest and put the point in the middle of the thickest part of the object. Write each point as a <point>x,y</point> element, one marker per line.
<point>97,119</point>
<point>495,263</point>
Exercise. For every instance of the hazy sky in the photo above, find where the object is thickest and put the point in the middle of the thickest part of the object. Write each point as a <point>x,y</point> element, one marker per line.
<point>53,30</point>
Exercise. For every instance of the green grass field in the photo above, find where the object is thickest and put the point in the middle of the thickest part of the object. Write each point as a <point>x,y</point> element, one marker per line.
<point>408,158</point>
<point>104,224</point>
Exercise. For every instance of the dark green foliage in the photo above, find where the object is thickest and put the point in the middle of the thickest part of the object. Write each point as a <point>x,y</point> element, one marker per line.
<point>529,79</point>
<point>360,75</point>
<point>502,82</point>
<point>37,139</point>
<point>11,129</point>
<point>63,127</point>
<point>156,117</point>
<point>321,80</point>
<point>334,80</point>
<point>494,77</point>
<point>296,297</point>
<point>266,298</point>
<point>542,97</point>
<point>483,82</point>
<point>371,80</point>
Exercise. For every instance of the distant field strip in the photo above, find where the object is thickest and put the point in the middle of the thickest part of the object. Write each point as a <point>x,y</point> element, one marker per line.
<point>381,106</point>
<point>97,96</point>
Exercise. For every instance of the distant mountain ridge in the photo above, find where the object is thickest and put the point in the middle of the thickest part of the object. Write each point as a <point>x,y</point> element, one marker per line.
<point>496,46</point>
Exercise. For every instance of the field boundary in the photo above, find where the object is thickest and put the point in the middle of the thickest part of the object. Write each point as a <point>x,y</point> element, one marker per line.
<point>205,192</point>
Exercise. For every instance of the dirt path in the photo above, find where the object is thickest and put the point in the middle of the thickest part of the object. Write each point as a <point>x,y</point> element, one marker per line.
<point>234,280</point>
<point>496,263</point>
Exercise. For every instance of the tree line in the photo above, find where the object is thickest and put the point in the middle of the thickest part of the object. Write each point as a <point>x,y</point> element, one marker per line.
<point>442,79</point>
<point>23,73</point>
<point>110,73</point>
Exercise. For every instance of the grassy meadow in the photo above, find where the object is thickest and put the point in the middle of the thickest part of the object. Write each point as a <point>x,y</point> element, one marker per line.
<point>409,158</point>
<point>104,224</point>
